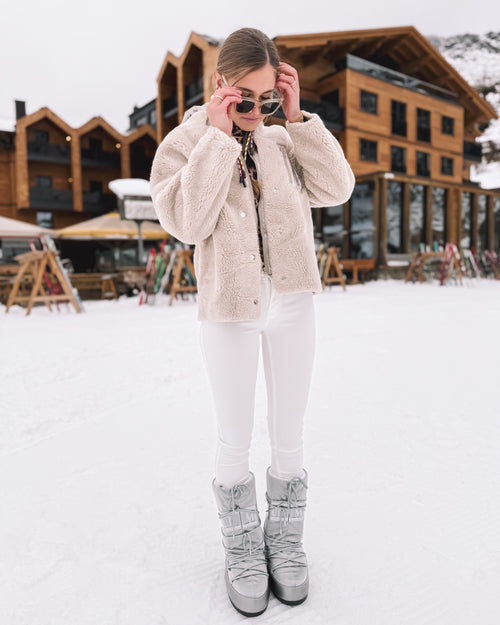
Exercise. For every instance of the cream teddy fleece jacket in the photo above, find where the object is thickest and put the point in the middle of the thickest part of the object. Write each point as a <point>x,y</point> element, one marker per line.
<point>199,199</point>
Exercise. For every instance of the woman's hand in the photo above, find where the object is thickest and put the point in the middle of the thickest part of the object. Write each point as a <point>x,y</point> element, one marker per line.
<point>218,109</point>
<point>288,84</point>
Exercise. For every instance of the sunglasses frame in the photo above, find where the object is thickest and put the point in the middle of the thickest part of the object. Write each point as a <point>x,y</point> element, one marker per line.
<point>259,103</point>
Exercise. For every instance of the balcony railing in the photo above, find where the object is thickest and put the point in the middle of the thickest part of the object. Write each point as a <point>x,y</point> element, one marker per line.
<point>97,202</point>
<point>99,158</point>
<point>51,199</point>
<point>170,106</point>
<point>332,116</point>
<point>393,77</point>
<point>473,151</point>
<point>49,152</point>
<point>193,92</point>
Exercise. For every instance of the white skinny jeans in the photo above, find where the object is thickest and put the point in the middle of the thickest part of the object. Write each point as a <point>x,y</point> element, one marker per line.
<point>231,354</point>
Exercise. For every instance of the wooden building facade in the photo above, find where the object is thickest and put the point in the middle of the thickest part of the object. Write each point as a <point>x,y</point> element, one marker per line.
<point>54,175</point>
<point>407,121</point>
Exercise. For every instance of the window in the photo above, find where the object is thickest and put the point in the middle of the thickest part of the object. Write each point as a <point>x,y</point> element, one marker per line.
<point>439,216</point>
<point>398,158</point>
<point>423,125</point>
<point>496,220</point>
<point>368,102</point>
<point>333,225</point>
<point>95,186</point>
<point>446,166</point>
<point>398,118</point>
<point>447,125</point>
<point>423,164</point>
<point>417,216</point>
<point>482,223</point>
<point>394,217</point>
<point>152,118</point>
<point>40,136</point>
<point>362,227</point>
<point>331,97</point>
<point>44,182</point>
<point>95,145</point>
<point>465,238</point>
<point>368,150</point>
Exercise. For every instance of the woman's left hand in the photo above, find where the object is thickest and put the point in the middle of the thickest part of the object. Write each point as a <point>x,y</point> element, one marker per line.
<point>288,84</point>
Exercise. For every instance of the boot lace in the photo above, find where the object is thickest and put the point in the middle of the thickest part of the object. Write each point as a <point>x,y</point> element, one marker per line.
<point>285,550</point>
<point>247,558</point>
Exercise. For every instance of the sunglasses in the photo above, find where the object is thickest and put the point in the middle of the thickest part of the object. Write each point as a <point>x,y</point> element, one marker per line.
<point>266,107</point>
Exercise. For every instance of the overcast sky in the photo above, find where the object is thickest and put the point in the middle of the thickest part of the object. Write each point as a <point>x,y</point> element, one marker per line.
<point>101,58</point>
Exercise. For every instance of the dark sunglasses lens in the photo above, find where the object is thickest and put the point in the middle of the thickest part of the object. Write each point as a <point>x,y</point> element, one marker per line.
<point>269,107</point>
<point>244,106</point>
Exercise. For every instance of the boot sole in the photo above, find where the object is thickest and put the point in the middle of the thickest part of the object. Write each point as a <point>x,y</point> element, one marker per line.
<point>289,595</point>
<point>248,606</point>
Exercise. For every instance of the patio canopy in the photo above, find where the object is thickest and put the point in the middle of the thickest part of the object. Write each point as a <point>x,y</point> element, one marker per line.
<point>110,226</point>
<point>21,229</point>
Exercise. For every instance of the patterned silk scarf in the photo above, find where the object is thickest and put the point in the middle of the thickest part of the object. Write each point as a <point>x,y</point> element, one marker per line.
<point>241,136</point>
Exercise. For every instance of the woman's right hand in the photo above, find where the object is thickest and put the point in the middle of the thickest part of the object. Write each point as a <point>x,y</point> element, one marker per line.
<point>219,108</point>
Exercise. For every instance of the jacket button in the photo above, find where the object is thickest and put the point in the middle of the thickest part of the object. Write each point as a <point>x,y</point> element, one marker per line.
<point>255,301</point>
<point>243,214</point>
<point>253,256</point>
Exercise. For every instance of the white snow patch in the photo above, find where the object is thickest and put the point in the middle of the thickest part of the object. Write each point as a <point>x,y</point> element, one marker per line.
<point>107,443</point>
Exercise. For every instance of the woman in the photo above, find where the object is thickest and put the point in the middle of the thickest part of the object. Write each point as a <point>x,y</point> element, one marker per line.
<point>242,193</point>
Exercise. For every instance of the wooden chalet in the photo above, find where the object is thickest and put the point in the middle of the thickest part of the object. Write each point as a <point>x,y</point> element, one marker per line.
<point>408,123</point>
<point>55,175</point>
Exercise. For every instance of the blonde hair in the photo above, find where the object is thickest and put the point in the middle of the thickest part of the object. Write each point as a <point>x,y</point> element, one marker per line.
<point>244,51</point>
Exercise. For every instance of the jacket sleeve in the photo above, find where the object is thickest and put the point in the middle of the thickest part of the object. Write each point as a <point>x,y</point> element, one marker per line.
<point>327,175</point>
<point>189,183</point>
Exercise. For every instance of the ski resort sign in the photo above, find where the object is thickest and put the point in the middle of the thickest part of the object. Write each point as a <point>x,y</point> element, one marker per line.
<point>134,200</point>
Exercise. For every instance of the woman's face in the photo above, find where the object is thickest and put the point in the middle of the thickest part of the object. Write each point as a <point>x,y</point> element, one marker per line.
<point>258,85</point>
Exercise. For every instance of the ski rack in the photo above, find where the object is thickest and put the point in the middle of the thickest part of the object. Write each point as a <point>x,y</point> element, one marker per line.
<point>40,264</point>
<point>331,266</point>
<point>183,263</point>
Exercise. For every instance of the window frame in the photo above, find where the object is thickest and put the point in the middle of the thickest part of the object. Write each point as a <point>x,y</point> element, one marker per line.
<point>366,101</point>
<point>403,152</point>
<point>447,160</point>
<point>365,155</point>
<point>444,130</point>
<point>427,173</point>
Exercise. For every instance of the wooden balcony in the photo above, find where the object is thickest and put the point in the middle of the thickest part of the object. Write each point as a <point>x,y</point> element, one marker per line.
<point>51,199</point>
<point>49,152</point>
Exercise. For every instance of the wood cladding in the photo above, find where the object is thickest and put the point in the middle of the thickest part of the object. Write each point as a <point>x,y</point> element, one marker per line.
<point>378,127</point>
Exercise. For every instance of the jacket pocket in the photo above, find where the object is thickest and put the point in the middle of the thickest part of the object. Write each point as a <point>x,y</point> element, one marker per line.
<point>293,177</point>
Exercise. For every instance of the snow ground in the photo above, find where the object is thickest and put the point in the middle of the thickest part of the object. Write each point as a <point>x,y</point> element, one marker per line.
<point>107,440</point>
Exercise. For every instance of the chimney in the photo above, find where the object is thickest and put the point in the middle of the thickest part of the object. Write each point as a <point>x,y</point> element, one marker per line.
<point>20,108</point>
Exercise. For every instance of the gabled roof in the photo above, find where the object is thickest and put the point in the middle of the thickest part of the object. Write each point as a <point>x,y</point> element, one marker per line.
<point>143,130</point>
<point>100,122</point>
<point>402,48</point>
<point>44,113</point>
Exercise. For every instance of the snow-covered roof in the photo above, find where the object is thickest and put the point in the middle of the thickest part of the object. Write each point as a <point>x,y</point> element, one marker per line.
<point>130,186</point>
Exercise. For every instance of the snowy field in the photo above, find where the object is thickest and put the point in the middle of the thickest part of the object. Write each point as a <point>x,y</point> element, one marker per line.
<point>107,441</point>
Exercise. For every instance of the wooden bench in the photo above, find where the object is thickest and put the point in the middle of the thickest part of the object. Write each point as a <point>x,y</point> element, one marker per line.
<point>357,265</point>
<point>95,284</point>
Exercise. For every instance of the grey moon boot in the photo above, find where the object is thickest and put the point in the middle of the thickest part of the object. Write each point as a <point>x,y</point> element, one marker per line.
<point>246,575</point>
<point>283,531</point>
